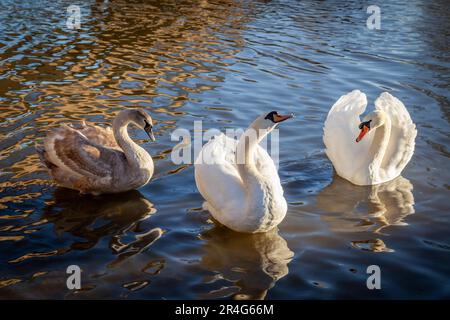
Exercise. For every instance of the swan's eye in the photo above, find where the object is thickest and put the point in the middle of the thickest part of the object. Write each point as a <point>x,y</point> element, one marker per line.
<point>271,116</point>
<point>276,118</point>
<point>147,125</point>
<point>366,123</point>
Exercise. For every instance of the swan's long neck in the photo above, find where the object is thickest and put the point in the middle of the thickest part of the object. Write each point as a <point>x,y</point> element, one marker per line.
<point>259,189</point>
<point>379,146</point>
<point>136,156</point>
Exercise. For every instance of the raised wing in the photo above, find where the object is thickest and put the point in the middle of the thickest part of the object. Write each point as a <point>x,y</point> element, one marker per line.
<point>340,132</point>
<point>403,134</point>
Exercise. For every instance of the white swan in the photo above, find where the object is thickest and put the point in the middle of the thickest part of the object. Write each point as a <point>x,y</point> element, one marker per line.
<point>99,160</point>
<point>388,144</point>
<point>239,180</point>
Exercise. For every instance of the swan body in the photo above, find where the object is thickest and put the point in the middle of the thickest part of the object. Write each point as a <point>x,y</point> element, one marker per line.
<point>385,143</point>
<point>99,160</point>
<point>239,180</point>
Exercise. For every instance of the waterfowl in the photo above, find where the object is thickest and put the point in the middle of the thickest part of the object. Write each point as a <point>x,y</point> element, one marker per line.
<point>239,180</point>
<point>97,160</point>
<point>385,138</point>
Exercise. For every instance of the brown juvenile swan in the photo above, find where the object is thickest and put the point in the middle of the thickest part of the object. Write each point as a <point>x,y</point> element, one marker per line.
<point>96,160</point>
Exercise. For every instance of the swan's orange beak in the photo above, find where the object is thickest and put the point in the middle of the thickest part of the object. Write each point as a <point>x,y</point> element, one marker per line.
<point>363,132</point>
<point>277,118</point>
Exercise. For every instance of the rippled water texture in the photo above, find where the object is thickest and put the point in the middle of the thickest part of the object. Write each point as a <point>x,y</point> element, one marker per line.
<point>224,62</point>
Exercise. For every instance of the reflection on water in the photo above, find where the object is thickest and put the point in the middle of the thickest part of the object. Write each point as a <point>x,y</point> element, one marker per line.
<point>85,221</point>
<point>94,217</point>
<point>253,263</point>
<point>366,208</point>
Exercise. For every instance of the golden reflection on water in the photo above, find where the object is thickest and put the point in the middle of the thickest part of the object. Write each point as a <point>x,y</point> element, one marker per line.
<point>366,208</point>
<point>135,54</point>
<point>78,216</point>
<point>252,262</point>
<point>89,219</point>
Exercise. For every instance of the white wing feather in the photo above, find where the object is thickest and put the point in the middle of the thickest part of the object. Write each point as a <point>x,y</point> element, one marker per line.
<point>217,177</point>
<point>265,165</point>
<point>403,134</point>
<point>340,132</point>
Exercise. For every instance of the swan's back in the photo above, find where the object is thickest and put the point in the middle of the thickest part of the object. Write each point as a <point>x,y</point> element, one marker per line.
<point>96,134</point>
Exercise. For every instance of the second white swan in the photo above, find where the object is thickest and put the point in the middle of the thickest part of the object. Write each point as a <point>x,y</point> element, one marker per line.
<point>239,180</point>
<point>389,138</point>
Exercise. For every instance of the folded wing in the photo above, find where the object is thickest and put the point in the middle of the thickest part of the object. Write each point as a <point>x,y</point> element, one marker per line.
<point>70,150</point>
<point>217,176</point>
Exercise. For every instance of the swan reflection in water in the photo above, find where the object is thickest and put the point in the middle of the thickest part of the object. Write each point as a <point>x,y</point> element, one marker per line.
<point>366,208</point>
<point>93,217</point>
<point>252,262</point>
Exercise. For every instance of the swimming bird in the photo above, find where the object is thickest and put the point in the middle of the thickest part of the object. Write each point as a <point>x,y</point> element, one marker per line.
<point>384,144</point>
<point>98,160</point>
<point>239,180</point>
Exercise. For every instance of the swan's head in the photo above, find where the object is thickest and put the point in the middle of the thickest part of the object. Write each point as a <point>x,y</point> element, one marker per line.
<point>141,119</point>
<point>371,121</point>
<point>269,121</point>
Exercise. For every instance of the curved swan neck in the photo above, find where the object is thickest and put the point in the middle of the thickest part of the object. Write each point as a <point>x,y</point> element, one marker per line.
<point>133,152</point>
<point>247,145</point>
<point>380,143</point>
<point>259,189</point>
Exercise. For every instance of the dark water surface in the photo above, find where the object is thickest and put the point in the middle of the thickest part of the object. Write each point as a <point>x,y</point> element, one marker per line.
<point>223,62</point>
